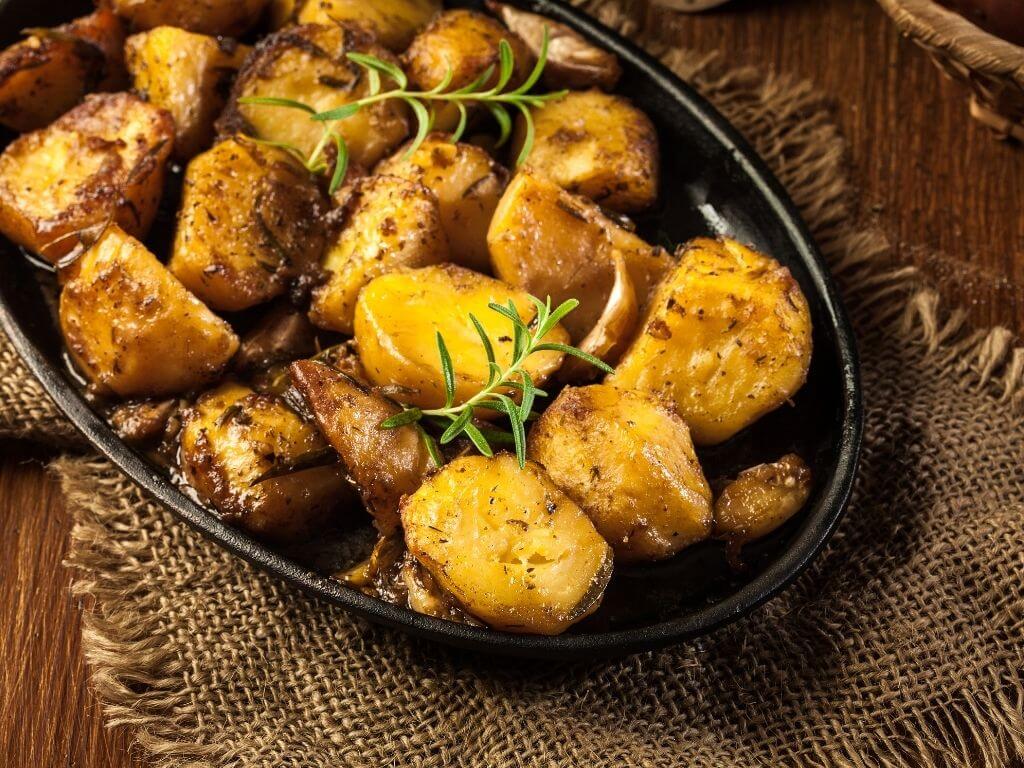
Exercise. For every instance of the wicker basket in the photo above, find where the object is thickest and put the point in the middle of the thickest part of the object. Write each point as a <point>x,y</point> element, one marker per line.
<point>992,67</point>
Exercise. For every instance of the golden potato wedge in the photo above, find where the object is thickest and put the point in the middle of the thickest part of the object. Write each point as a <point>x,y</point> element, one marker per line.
<point>250,224</point>
<point>597,145</point>
<point>384,464</point>
<point>188,75</point>
<point>393,22</point>
<point>50,71</point>
<point>264,469</point>
<point>387,224</point>
<point>514,550</point>
<point>308,64</point>
<point>208,17</point>
<point>398,317</point>
<point>103,161</point>
<point>552,243</point>
<point>133,329</point>
<point>629,463</point>
<point>727,339</point>
<point>468,184</point>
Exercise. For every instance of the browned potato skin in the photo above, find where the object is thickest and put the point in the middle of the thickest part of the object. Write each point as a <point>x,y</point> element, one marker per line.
<point>49,72</point>
<point>552,243</point>
<point>231,437</point>
<point>393,22</point>
<point>630,464</point>
<point>512,549</point>
<point>249,226</point>
<point>384,464</point>
<point>468,184</point>
<point>727,339</point>
<point>308,63</point>
<point>597,145</point>
<point>133,329</point>
<point>187,74</point>
<point>388,223</point>
<point>208,17</point>
<point>103,161</point>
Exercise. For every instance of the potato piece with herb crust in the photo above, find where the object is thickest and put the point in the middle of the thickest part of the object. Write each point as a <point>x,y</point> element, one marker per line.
<point>393,22</point>
<point>208,17</point>
<point>388,223</point>
<point>265,469</point>
<point>49,72</point>
<point>552,243</point>
<point>399,316</point>
<point>468,184</point>
<point>514,550</point>
<point>188,75</point>
<point>629,462</point>
<point>250,225</point>
<point>104,161</point>
<point>133,329</point>
<point>597,145</point>
<point>726,340</point>
<point>384,464</point>
<point>309,64</point>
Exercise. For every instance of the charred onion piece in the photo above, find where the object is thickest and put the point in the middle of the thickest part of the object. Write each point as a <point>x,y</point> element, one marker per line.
<point>282,335</point>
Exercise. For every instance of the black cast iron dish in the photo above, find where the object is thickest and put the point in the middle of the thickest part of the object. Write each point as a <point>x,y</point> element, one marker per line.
<point>712,184</point>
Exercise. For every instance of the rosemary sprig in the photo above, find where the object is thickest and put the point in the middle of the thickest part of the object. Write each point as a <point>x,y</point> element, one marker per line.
<point>496,99</point>
<point>456,420</point>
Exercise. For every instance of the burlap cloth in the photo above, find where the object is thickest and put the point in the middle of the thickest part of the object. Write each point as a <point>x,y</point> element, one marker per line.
<point>901,646</point>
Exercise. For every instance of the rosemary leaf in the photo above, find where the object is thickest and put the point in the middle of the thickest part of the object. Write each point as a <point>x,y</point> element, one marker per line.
<point>455,428</point>
<point>338,113</point>
<point>447,371</point>
<point>407,416</point>
<point>566,349</point>
<point>478,439</point>
<point>529,136</point>
<point>504,122</point>
<point>340,163</point>
<point>460,129</point>
<point>275,101</point>
<point>384,67</point>
<point>488,347</point>
<point>431,444</point>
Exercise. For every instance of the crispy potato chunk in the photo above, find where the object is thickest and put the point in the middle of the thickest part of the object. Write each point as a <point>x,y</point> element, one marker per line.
<point>250,224</point>
<point>468,185</point>
<point>208,17</point>
<point>726,340</point>
<point>384,464</point>
<point>308,64</point>
<point>133,329</point>
<point>596,145</point>
<point>103,161</point>
<point>188,75</point>
<point>387,223</point>
<point>233,437</point>
<point>514,550</point>
<point>50,71</point>
<point>552,243</point>
<point>398,317</point>
<point>629,462</point>
<point>393,22</point>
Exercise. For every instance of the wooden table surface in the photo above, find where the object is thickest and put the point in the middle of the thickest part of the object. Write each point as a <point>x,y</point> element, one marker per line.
<point>949,195</point>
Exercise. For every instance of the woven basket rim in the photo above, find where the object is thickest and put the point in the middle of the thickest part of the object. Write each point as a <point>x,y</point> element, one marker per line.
<point>945,29</point>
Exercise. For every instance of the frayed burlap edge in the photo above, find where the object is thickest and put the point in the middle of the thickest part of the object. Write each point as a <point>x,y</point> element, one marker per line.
<point>140,682</point>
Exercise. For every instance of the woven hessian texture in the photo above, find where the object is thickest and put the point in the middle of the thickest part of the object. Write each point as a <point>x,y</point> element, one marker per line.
<point>901,646</point>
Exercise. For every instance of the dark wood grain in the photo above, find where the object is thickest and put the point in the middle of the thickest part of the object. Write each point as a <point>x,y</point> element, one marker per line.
<point>949,195</point>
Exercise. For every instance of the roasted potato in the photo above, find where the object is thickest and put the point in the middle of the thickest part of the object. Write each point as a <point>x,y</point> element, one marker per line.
<point>208,17</point>
<point>398,317</point>
<point>727,339</point>
<point>393,22</point>
<point>187,74</point>
<point>384,464</point>
<point>552,243</point>
<point>250,224</point>
<point>468,185</point>
<point>628,461</point>
<point>264,468</point>
<point>49,72</point>
<point>103,161</point>
<point>133,329</point>
<point>465,43</point>
<point>388,223</point>
<point>596,145</point>
<point>514,550</point>
<point>308,63</point>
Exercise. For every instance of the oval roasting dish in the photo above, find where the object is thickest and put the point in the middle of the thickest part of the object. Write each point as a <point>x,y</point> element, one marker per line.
<point>713,183</point>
